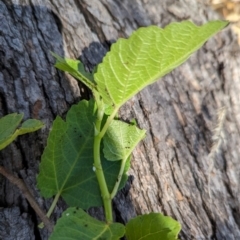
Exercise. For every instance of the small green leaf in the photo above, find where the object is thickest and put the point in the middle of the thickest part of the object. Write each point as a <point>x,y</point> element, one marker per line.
<point>67,162</point>
<point>120,140</point>
<point>152,226</point>
<point>8,125</point>
<point>9,131</point>
<point>76,69</point>
<point>30,125</point>
<point>149,53</point>
<point>76,224</point>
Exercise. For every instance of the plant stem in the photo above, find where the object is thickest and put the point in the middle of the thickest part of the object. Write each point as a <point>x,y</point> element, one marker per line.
<point>53,205</point>
<point>102,181</point>
<point>107,201</point>
<point>116,186</point>
<point>109,120</point>
<point>50,210</point>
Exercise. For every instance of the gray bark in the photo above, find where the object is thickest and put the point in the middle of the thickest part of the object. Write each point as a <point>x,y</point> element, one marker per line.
<point>170,168</point>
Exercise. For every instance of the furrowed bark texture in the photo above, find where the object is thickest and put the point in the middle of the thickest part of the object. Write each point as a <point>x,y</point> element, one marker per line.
<point>170,168</point>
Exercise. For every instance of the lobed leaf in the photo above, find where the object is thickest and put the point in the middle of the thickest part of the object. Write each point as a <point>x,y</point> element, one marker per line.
<point>67,162</point>
<point>9,131</point>
<point>120,140</point>
<point>152,226</point>
<point>149,53</point>
<point>76,224</point>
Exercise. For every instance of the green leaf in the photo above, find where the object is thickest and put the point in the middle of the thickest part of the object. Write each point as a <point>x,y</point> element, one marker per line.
<point>30,125</point>
<point>8,125</point>
<point>9,131</point>
<point>149,53</point>
<point>67,162</point>
<point>152,226</point>
<point>76,69</point>
<point>76,224</point>
<point>120,140</point>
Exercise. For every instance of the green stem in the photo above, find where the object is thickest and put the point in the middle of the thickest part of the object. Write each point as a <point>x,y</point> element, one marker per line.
<point>107,201</point>
<point>53,205</point>
<point>101,181</point>
<point>116,186</point>
<point>109,120</point>
<point>50,210</point>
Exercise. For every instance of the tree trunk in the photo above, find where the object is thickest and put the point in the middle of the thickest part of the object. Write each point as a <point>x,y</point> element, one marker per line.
<point>175,170</point>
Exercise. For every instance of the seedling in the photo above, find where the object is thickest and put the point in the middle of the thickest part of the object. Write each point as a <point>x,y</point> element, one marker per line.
<point>88,155</point>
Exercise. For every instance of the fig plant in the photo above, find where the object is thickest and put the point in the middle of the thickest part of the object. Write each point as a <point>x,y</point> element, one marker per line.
<point>88,155</point>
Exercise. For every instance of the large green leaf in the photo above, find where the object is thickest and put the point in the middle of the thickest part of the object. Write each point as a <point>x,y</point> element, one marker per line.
<point>120,140</point>
<point>9,131</point>
<point>152,226</point>
<point>76,69</point>
<point>149,53</point>
<point>67,162</point>
<point>75,224</point>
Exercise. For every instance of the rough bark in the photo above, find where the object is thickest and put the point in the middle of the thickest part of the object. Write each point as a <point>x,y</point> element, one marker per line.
<point>170,167</point>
